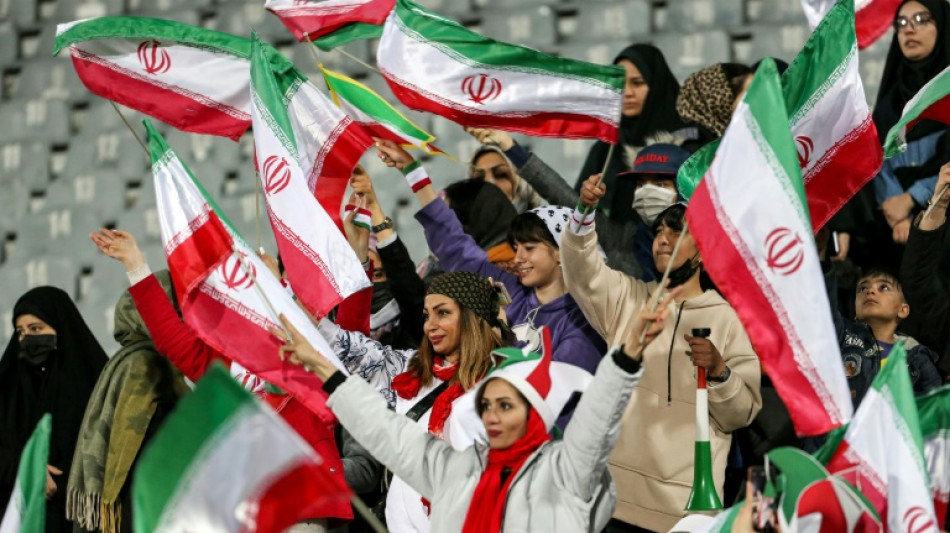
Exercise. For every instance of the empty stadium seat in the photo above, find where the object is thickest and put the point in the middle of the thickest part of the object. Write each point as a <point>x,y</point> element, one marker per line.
<point>34,120</point>
<point>167,6</point>
<point>783,42</point>
<point>777,11</point>
<point>9,44</point>
<point>449,7</point>
<point>613,20</point>
<point>28,162</point>
<point>239,18</point>
<point>114,150</point>
<point>693,15</point>
<point>52,79</point>
<point>23,13</point>
<point>100,191</point>
<point>67,10</point>
<point>690,52</point>
<point>599,52</point>
<point>531,26</point>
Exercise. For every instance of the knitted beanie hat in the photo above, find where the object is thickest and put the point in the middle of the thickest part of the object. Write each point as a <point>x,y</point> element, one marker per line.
<point>470,291</point>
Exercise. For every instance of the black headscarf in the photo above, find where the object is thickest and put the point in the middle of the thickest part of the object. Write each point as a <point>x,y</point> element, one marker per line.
<point>483,209</point>
<point>902,78</point>
<point>658,115</point>
<point>63,389</point>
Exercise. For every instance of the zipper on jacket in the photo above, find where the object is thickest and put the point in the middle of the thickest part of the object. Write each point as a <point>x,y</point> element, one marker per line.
<point>669,358</point>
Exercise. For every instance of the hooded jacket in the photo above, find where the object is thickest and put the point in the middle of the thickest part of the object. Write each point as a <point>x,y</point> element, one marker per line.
<point>562,487</point>
<point>652,463</point>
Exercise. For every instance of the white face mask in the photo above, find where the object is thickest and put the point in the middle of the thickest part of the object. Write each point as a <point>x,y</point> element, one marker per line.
<point>650,200</point>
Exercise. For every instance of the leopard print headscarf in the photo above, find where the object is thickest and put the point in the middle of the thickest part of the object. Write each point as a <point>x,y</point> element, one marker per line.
<point>470,291</point>
<point>706,99</point>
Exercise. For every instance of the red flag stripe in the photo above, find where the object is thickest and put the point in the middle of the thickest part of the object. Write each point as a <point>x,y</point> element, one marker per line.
<point>196,252</point>
<point>334,164</point>
<point>317,21</point>
<point>873,20</point>
<point>304,490</point>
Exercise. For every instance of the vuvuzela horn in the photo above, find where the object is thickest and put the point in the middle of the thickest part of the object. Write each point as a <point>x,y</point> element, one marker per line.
<point>703,496</point>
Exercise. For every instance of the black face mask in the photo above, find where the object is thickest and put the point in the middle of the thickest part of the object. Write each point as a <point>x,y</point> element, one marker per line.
<point>682,273</point>
<point>36,349</point>
<point>381,296</point>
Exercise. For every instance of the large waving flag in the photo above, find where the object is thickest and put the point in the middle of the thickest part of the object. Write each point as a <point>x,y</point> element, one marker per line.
<point>932,102</point>
<point>347,34</point>
<point>195,79</point>
<point>218,296</point>
<point>26,510</point>
<point>434,64</point>
<point>321,265</point>
<point>933,409</point>
<point>750,221</point>
<point>881,452</point>
<point>873,17</point>
<point>316,18</point>
<point>836,140</point>
<point>225,462</point>
<point>376,115</point>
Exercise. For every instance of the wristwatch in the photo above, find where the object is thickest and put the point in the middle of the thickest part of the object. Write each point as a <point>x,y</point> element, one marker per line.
<point>721,378</point>
<point>387,223</point>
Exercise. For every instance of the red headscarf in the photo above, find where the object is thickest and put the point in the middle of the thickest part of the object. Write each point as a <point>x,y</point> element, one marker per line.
<point>488,503</point>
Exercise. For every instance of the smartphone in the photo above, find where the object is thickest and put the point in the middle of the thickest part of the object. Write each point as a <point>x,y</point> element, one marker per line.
<point>503,297</point>
<point>763,505</point>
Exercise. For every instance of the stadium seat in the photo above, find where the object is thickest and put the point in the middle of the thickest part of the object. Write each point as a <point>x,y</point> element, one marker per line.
<point>451,7</point>
<point>614,20</point>
<point>783,42</point>
<point>9,44</point>
<point>691,52</point>
<point>100,191</point>
<point>59,271</point>
<point>599,52</point>
<point>28,162</point>
<point>239,18</point>
<point>166,6</point>
<point>531,26</point>
<point>52,79</point>
<point>694,15</point>
<point>23,13</point>
<point>777,11</point>
<point>34,120</point>
<point>113,150</point>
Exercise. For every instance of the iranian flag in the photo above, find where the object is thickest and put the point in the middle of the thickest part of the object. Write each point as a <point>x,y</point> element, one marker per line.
<point>224,462</point>
<point>933,410</point>
<point>872,17</point>
<point>316,18</point>
<point>476,81</point>
<point>750,220</point>
<point>932,102</point>
<point>321,266</point>
<point>836,140</point>
<point>227,294</point>
<point>347,34</point>
<point>881,452</point>
<point>376,115</point>
<point>26,510</point>
<point>191,78</point>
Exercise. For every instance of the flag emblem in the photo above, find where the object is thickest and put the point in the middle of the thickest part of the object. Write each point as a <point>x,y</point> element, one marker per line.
<point>153,57</point>
<point>235,276</point>
<point>481,88</point>
<point>786,252</point>
<point>805,148</point>
<point>917,520</point>
<point>276,174</point>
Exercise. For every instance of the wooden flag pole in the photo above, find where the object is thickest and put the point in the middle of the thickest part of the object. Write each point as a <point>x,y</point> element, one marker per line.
<point>127,125</point>
<point>666,275</point>
<point>585,209</point>
<point>257,209</point>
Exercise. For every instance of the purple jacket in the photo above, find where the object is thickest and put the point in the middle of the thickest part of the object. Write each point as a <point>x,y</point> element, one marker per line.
<point>575,341</point>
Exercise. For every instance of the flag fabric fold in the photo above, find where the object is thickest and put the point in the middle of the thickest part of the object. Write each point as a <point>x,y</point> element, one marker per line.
<point>375,114</point>
<point>881,451</point>
<point>189,77</point>
<point>320,264</point>
<point>26,510</point>
<point>347,34</point>
<point>872,17</point>
<point>214,273</point>
<point>750,220</point>
<point>316,18</point>
<point>932,102</point>
<point>224,462</point>
<point>476,81</point>
<point>933,410</point>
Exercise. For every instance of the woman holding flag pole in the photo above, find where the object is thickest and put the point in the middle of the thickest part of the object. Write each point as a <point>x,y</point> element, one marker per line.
<point>653,460</point>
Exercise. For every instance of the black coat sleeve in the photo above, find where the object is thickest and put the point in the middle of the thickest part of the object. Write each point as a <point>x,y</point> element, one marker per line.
<point>407,287</point>
<point>926,293</point>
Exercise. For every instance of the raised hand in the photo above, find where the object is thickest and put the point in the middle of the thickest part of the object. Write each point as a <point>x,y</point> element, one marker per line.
<point>651,321</point>
<point>119,245</point>
<point>592,192</point>
<point>357,237</point>
<point>491,136</point>
<point>392,154</point>
<point>298,351</point>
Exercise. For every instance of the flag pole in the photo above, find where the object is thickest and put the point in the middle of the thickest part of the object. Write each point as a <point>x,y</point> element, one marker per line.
<point>367,515</point>
<point>666,275</point>
<point>267,302</point>
<point>257,208</point>
<point>585,209</point>
<point>358,60</point>
<point>316,57</point>
<point>127,125</point>
<point>931,207</point>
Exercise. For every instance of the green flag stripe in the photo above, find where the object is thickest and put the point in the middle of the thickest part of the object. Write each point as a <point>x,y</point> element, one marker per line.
<point>771,131</point>
<point>933,409</point>
<point>935,91</point>
<point>31,477</point>
<point>893,382</point>
<point>270,100</point>
<point>347,34</point>
<point>372,104</point>
<point>478,51</point>
<point>822,62</point>
<point>192,426</point>
<point>693,170</point>
<point>144,28</point>
<point>162,154</point>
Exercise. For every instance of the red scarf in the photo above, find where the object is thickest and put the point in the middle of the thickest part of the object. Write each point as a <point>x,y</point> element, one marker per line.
<point>407,386</point>
<point>488,502</point>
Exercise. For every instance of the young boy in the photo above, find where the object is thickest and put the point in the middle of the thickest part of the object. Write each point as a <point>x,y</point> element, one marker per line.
<point>867,341</point>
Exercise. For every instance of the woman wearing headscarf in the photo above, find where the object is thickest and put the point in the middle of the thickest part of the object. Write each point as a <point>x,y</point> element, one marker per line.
<point>879,218</point>
<point>710,95</point>
<point>490,164</point>
<point>538,295</point>
<point>50,366</point>
<point>522,480</point>
<point>649,115</point>
<point>461,328</point>
<point>137,388</point>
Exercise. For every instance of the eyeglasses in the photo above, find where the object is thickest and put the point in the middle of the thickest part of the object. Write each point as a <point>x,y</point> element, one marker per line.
<point>914,21</point>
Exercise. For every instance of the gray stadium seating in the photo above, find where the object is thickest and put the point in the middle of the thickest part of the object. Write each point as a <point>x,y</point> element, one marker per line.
<point>687,53</point>
<point>51,79</point>
<point>693,15</point>
<point>9,45</point>
<point>533,26</point>
<point>615,20</point>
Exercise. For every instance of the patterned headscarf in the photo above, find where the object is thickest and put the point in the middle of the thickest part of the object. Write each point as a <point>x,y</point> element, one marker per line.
<point>470,291</point>
<point>707,97</point>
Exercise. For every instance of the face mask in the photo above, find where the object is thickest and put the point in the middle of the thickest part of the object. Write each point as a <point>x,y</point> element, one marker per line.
<point>36,349</point>
<point>650,200</point>
<point>381,296</point>
<point>682,273</point>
